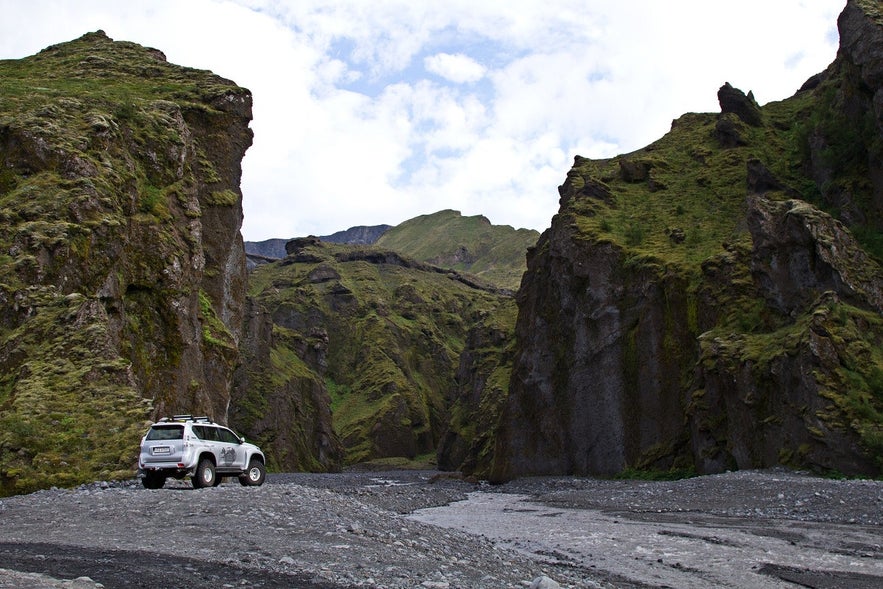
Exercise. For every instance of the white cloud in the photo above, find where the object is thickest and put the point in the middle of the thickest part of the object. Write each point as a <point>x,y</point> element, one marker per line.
<point>374,112</point>
<point>457,68</point>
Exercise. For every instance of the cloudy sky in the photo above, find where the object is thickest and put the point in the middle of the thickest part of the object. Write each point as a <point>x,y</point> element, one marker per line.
<point>375,111</point>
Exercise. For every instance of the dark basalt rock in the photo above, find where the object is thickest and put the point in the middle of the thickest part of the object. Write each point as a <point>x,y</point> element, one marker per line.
<point>635,351</point>
<point>733,100</point>
<point>801,252</point>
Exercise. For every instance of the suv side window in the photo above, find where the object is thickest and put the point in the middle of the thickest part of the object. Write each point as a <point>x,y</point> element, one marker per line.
<point>228,436</point>
<point>211,433</point>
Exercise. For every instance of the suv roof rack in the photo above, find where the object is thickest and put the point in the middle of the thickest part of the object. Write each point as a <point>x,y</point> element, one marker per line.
<point>187,417</point>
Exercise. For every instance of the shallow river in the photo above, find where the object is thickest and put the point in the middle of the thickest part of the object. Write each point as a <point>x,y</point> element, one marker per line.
<point>683,550</point>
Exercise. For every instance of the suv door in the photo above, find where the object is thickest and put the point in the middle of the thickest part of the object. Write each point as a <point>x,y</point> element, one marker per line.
<point>232,452</point>
<point>208,435</point>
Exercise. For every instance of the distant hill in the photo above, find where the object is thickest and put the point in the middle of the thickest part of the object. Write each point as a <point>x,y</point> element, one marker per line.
<point>447,239</point>
<point>269,248</point>
<point>359,235</point>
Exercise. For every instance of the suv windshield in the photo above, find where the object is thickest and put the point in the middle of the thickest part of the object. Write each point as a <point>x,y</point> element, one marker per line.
<point>166,432</point>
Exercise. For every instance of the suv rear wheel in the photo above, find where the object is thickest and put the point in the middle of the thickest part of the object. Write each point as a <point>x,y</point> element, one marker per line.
<point>255,475</point>
<point>204,475</point>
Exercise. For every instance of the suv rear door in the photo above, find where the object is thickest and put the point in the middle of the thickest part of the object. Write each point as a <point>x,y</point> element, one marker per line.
<point>163,443</point>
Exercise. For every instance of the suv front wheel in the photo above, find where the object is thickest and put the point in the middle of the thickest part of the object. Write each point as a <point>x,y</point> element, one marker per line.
<point>255,475</point>
<point>204,475</point>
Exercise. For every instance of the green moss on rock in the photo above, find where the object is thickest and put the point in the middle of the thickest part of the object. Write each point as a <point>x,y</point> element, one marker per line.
<point>114,299</point>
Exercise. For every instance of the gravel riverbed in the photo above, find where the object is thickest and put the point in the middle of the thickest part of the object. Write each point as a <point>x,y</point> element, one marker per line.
<point>413,529</point>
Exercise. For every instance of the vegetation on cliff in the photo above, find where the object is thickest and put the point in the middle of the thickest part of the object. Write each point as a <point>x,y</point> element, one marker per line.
<point>121,267</point>
<point>713,300</point>
<point>385,335</point>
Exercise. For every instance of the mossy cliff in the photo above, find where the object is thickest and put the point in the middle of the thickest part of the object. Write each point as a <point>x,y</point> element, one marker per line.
<point>122,272</point>
<point>714,300</point>
<point>279,400</point>
<point>376,335</point>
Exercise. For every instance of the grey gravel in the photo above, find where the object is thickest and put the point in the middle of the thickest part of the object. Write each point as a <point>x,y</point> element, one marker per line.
<point>411,529</point>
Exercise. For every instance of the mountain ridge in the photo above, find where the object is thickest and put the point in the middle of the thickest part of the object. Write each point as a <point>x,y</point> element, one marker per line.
<point>446,239</point>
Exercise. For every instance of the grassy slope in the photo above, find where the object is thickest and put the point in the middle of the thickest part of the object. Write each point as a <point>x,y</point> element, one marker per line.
<point>468,244</point>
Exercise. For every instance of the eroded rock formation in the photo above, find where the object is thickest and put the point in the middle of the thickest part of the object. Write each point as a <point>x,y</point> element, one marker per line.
<point>123,271</point>
<point>754,338</point>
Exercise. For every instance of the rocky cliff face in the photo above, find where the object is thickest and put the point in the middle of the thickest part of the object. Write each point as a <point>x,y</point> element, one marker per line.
<point>846,154</point>
<point>122,271</point>
<point>691,308</point>
<point>373,335</point>
<point>282,402</point>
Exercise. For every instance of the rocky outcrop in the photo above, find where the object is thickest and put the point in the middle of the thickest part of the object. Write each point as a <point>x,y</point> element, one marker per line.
<point>800,252</point>
<point>121,249</point>
<point>733,100</point>
<point>804,392</point>
<point>723,321</point>
<point>844,153</point>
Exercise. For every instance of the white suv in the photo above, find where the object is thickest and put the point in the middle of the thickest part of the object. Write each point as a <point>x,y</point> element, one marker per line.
<point>181,445</point>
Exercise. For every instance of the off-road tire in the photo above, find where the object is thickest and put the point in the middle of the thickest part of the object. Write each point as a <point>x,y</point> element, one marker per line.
<point>255,475</point>
<point>153,481</point>
<point>205,474</point>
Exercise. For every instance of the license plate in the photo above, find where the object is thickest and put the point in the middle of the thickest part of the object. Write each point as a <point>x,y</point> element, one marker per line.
<point>161,450</point>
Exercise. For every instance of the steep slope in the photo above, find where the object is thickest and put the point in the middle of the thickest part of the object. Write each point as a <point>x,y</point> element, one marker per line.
<point>494,253</point>
<point>279,400</point>
<point>381,333</point>
<point>122,272</point>
<point>691,308</point>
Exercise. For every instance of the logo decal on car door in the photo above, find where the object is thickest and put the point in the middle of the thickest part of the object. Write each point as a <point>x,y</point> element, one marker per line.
<point>228,455</point>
